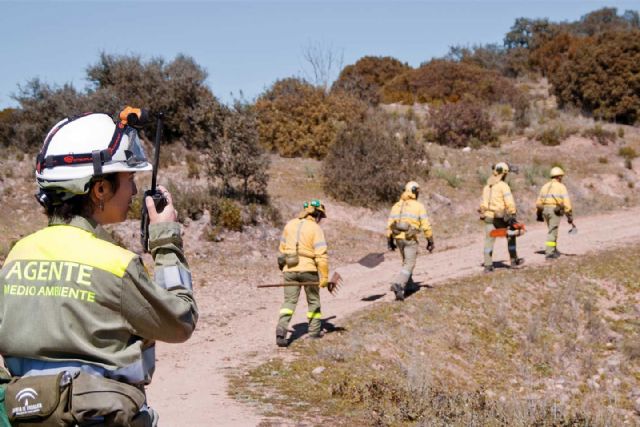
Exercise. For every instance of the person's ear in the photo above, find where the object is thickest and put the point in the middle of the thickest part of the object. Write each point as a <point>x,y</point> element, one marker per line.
<point>101,189</point>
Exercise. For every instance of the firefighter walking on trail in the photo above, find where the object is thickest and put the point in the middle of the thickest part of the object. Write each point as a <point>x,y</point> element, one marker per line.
<point>408,217</point>
<point>553,202</point>
<point>79,315</point>
<point>498,210</point>
<point>303,258</point>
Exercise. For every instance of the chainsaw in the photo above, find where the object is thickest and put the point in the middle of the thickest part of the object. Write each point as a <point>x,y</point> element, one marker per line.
<point>515,230</point>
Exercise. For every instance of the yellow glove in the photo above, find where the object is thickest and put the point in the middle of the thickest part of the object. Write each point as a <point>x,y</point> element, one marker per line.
<point>323,272</point>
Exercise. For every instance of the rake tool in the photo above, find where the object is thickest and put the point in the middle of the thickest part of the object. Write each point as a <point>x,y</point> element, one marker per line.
<point>335,283</point>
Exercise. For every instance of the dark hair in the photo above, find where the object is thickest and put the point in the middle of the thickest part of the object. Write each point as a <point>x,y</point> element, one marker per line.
<point>80,205</point>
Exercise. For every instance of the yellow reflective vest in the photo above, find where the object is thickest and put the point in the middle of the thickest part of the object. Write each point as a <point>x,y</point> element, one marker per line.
<point>410,211</point>
<point>554,193</point>
<point>497,200</point>
<point>305,237</point>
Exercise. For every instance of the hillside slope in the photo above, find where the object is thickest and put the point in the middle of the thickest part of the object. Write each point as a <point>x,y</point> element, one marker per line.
<point>238,320</point>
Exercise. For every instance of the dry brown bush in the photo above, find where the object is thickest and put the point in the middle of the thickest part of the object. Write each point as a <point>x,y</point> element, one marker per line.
<point>367,76</point>
<point>297,119</point>
<point>442,81</point>
<point>601,77</point>
<point>371,161</point>
<point>462,123</point>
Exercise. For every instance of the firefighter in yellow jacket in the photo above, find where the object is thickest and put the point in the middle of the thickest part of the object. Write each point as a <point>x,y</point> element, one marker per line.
<point>303,258</point>
<point>498,210</point>
<point>553,202</point>
<point>408,217</point>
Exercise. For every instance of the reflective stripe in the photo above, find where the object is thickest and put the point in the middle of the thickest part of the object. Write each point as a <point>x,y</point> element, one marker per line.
<point>559,196</point>
<point>76,245</point>
<point>286,311</point>
<point>314,315</point>
<point>283,240</point>
<point>409,215</point>
<point>552,244</point>
<point>488,250</point>
<point>139,372</point>
<point>510,247</point>
<point>506,194</point>
<point>320,244</point>
<point>173,276</point>
<point>421,217</point>
<point>405,272</point>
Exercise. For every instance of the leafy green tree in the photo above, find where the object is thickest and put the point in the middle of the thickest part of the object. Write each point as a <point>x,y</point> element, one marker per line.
<point>237,160</point>
<point>177,88</point>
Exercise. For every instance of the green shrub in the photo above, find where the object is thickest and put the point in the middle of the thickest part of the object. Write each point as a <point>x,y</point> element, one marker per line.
<point>455,125</point>
<point>237,161</point>
<point>226,213</point>
<point>188,200</point>
<point>599,134</point>
<point>177,88</point>
<point>627,152</point>
<point>193,167</point>
<point>553,135</point>
<point>371,161</point>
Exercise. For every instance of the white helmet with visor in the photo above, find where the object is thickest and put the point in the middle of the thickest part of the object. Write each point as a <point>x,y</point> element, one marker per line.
<point>79,148</point>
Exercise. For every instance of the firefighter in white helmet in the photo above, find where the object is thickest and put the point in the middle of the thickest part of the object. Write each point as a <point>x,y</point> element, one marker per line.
<point>76,304</point>
<point>408,217</point>
<point>553,202</point>
<point>498,210</point>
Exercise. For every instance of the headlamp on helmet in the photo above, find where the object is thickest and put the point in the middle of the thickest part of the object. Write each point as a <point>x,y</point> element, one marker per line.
<point>79,148</point>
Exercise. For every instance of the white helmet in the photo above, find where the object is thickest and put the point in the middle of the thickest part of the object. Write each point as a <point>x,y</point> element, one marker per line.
<point>556,171</point>
<point>500,168</point>
<point>78,148</point>
<point>412,187</point>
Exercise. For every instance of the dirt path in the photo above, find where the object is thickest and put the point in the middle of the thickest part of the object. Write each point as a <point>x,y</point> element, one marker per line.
<point>190,387</point>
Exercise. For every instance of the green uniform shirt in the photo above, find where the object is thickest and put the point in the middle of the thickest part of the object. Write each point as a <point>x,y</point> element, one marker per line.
<point>70,295</point>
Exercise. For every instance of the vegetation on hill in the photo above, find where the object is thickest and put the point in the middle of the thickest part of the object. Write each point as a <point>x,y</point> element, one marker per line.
<point>555,345</point>
<point>371,160</point>
<point>298,119</point>
<point>367,76</point>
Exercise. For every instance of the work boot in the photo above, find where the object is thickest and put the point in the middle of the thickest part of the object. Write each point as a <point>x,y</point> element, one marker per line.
<point>554,255</point>
<point>281,337</point>
<point>397,289</point>
<point>515,262</point>
<point>488,268</point>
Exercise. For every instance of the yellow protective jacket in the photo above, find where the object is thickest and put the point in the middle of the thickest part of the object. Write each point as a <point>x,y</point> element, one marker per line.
<point>554,193</point>
<point>497,200</point>
<point>410,211</point>
<point>311,246</point>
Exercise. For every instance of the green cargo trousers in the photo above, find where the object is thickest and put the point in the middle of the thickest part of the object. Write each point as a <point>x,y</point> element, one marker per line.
<point>409,253</point>
<point>490,225</point>
<point>553,222</point>
<point>291,295</point>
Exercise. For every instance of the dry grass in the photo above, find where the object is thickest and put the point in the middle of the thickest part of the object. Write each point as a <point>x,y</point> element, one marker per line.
<point>548,346</point>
